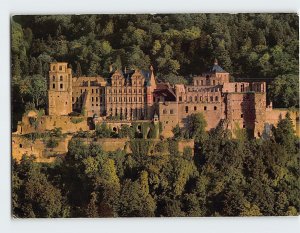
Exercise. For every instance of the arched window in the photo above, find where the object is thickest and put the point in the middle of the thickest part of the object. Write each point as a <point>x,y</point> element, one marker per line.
<point>61,78</point>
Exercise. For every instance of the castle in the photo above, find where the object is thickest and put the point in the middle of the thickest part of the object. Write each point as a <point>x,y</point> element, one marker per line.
<point>133,95</point>
<point>137,98</point>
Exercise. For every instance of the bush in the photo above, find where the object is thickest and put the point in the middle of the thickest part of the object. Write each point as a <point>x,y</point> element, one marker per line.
<point>52,143</point>
<point>103,131</point>
<point>76,120</point>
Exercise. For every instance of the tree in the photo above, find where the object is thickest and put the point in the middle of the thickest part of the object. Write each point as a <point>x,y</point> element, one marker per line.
<point>38,89</point>
<point>102,130</point>
<point>195,127</point>
<point>78,72</point>
<point>284,91</point>
<point>284,134</point>
<point>177,132</point>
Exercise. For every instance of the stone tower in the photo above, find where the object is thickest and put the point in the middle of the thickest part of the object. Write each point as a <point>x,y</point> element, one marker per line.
<point>60,89</point>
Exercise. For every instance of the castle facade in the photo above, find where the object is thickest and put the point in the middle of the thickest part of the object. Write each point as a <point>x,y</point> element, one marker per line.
<point>133,95</point>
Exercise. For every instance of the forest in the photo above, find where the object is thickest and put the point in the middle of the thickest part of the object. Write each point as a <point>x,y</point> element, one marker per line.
<point>225,177</point>
<point>251,47</point>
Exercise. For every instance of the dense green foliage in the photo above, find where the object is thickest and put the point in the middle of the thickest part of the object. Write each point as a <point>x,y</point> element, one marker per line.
<point>249,46</point>
<point>226,177</point>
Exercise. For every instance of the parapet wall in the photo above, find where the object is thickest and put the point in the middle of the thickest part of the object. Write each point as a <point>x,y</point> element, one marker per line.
<point>38,148</point>
<point>274,115</point>
<point>68,124</point>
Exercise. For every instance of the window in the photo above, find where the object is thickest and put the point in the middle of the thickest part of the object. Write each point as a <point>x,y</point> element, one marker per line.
<point>214,82</point>
<point>96,90</point>
<point>215,107</point>
<point>140,91</point>
<point>171,111</point>
<point>92,99</point>
<point>205,108</point>
<point>61,86</point>
<point>196,98</point>
<point>53,78</point>
<point>211,98</point>
<point>140,99</point>
<point>191,98</point>
<point>164,111</point>
<point>60,67</point>
<point>197,83</point>
<point>201,82</point>
<point>216,98</point>
<point>120,91</point>
<point>186,109</point>
<point>96,99</point>
<point>242,115</point>
<point>109,99</point>
<point>244,126</point>
<point>195,108</point>
<point>61,78</point>
<point>53,86</point>
<point>120,83</point>
<point>92,90</point>
<point>53,67</point>
<point>180,98</point>
<point>81,91</point>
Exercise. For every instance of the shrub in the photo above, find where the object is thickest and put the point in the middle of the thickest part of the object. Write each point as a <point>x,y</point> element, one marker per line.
<point>52,143</point>
<point>76,120</point>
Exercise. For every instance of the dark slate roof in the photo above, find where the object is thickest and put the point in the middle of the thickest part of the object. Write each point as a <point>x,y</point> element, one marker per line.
<point>217,68</point>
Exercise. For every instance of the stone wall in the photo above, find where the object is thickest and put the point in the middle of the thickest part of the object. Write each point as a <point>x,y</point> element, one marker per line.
<point>274,115</point>
<point>22,145</point>
<point>51,122</point>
